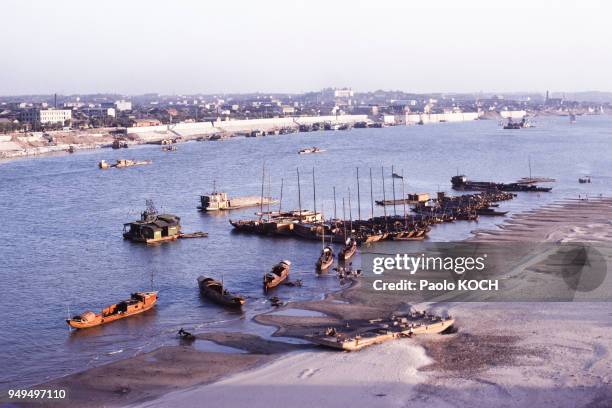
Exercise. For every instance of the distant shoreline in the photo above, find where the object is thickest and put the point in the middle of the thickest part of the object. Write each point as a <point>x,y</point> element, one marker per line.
<point>33,144</point>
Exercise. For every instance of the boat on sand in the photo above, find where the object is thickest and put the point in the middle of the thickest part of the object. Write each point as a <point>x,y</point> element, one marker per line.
<point>380,331</point>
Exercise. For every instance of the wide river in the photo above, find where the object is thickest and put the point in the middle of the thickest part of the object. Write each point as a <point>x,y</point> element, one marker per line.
<point>62,251</point>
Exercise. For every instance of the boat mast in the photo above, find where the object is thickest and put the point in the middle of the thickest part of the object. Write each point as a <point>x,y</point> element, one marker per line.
<point>322,231</point>
<point>371,196</point>
<point>393,183</point>
<point>350,210</point>
<point>404,201</point>
<point>269,194</point>
<point>382,173</point>
<point>314,193</point>
<point>261,200</point>
<point>280,203</point>
<point>344,218</point>
<point>529,167</point>
<point>299,194</point>
<point>335,218</point>
<point>358,197</point>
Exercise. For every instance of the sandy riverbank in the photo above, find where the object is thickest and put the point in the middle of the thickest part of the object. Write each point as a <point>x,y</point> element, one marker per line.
<point>503,354</point>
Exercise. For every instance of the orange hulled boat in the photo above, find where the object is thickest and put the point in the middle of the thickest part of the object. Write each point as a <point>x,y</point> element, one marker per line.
<point>137,303</point>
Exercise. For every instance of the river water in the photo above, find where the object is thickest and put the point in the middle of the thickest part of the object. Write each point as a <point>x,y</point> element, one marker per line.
<point>62,251</point>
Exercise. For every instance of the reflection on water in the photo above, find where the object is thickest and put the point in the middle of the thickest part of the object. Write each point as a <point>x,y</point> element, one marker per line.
<point>63,253</point>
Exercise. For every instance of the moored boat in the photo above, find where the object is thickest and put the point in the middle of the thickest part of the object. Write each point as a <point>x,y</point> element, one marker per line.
<point>215,291</point>
<point>460,182</point>
<point>490,211</point>
<point>350,247</point>
<point>137,303</point>
<point>218,201</point>
<point>354,340</point>
<point>153,227</point>
<point>326,259</point>
<point>277,275</point>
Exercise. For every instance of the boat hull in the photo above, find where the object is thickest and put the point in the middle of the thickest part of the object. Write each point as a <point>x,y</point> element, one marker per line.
<point>356,344</point>
<point>100,319</point>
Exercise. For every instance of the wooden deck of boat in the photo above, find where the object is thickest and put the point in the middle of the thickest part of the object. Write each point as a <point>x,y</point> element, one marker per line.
<point>371,336</point>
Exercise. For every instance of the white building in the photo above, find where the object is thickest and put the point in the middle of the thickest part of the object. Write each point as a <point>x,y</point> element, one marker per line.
<point>288,110</point>
<point>123,105</point>
<point>46,116</point>
<point>343,96</point>
<point>119,106</point>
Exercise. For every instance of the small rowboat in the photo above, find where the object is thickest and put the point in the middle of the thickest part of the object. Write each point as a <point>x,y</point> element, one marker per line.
<point>348,251</point>
<point>310,150</point>
<point>137,303</point>
<point>325,260</point>
<point>277,275</point>
<point>215,291</point>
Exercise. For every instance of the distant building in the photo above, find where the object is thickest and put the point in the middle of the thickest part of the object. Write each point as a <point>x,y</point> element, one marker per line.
<point>123,105</point>
<point>119,106</point>
<point>288,110</point>
<point>146,122</point>
<point>45,116</point>
<point>99,112</point>
<point>343,97</point>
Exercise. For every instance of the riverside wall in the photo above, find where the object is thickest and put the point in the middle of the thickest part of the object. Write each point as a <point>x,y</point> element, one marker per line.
<point>193,129</point>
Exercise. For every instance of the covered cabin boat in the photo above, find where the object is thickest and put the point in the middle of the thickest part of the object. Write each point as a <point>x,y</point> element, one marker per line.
<point>153,227</point>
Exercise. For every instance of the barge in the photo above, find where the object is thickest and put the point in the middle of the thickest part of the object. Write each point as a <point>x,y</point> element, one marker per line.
<point>380,332</point>
<point>219,201</point>
<point>461,182</point>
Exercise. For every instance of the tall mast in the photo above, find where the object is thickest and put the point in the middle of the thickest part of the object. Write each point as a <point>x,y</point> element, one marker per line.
<point>358,197</point>
<point>314,192</point>
<point>299,194</point>
<point>404,201</point>
<point>263,177</point>
<point>371,195</point>
<point>335,217</point>
<point>269,194</point>
<point>280,203</point>
<point>530,166</point>
<point>344,218</point>
<point>393,183</point>
<point>322,226</point>
<point>350,209</point>
<point>382,172</point>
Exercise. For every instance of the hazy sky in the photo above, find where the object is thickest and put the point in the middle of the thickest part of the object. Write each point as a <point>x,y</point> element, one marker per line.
<point>193,46</point>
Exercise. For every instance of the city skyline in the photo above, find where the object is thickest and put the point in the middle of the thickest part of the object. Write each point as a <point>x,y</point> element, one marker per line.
<point>195,48</point>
